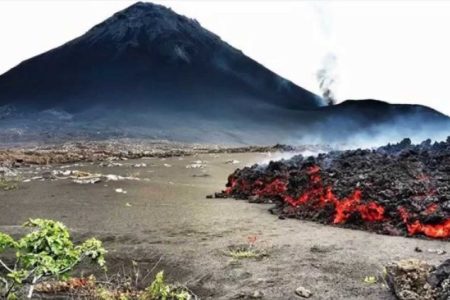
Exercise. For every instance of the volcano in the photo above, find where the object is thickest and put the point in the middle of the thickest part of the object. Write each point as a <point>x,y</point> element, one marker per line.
<point>145,56</point>
<point>149,72</point>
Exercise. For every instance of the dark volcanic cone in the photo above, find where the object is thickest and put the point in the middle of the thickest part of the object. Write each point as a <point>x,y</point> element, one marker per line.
<point>147,56</point>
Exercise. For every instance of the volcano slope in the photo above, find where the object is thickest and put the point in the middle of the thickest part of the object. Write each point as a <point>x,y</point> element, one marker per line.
<point>400,189</point>
<point>147,54</point>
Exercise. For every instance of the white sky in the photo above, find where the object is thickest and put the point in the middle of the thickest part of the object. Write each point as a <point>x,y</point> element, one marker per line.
<point>396,51</point>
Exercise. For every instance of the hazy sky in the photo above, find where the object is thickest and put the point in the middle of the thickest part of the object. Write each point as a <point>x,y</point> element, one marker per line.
<point>396,51</point>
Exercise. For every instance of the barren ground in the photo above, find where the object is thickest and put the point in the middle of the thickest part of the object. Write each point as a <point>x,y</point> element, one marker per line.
<point>170,223</point>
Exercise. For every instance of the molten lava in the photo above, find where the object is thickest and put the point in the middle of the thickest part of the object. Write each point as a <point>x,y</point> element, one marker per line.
<point>398,189</point>
<point>439,230</point>
<point>317,196</point>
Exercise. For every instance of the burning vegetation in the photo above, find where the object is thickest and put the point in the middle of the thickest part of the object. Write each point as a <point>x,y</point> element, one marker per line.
<point>400,189</point>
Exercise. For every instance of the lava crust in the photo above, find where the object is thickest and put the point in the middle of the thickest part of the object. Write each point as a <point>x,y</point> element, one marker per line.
<point>400,189</point>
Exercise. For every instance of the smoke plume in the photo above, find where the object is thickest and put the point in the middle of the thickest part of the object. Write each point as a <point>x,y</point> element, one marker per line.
<point>326,77</point>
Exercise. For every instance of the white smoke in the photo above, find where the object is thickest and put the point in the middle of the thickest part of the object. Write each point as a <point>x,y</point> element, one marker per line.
<point>327,75</point>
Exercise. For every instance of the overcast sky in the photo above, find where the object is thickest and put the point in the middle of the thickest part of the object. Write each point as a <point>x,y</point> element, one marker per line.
<point>396,51</point>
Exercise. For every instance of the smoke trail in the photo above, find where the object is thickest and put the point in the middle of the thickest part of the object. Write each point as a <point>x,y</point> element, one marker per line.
<point>327,76</point>
<point>327,73</point>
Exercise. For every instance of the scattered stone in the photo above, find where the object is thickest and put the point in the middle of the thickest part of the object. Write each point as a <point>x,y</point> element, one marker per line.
<point>167,165</point>
<point>257,295</point>
<point>437,251</point>
<point>120,191</point>
<point>87,180</point>
<point>303,292</point>
<point>232,162</point>
<point>112,177</point>
<point>6,172</point>
<point>408,280</point>
<point>141,165</point>
<point>110,164</point>
<point>440,278</point>
<point>195,166</point>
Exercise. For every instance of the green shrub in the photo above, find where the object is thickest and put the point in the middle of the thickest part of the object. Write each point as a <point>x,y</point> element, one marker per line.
<point>45,253</point>
<point>159,290</point>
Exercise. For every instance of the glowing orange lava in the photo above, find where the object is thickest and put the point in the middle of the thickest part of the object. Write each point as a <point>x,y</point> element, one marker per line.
<point>318,196</point>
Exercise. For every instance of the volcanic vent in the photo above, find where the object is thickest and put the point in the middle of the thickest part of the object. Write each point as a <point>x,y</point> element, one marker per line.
<point>400,189</point>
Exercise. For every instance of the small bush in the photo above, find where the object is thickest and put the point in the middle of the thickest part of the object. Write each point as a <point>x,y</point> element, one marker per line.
<point>159,290</point>
<point>45,253</point>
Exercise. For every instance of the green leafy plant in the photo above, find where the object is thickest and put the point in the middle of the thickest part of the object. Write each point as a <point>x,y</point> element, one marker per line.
<point>159,290</point>
<point>45,253</point>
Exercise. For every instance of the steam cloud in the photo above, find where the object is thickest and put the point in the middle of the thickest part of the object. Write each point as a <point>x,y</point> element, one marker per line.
<point>327,76</point>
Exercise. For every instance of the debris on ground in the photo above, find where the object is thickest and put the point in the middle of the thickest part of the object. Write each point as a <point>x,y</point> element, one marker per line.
<point>198,164</point>
<point>437,251</point>
<point>7,172</point>
<point>232,162</point>
<point>87,180</point>
<point>141,165</point>
<point>303,292</point>
<point>112,177</point>
<point>413,279</point>
<point>120,191</point>
<point>111,150</point>
<point>110,164</point>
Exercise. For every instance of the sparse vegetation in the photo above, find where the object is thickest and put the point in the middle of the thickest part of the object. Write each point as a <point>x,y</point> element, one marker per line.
<point>8,184</point>
<point>159,290</point>
<point>43,254</point>
<point>246,252</point>
<point>119,287</point>
<point>243,253</point>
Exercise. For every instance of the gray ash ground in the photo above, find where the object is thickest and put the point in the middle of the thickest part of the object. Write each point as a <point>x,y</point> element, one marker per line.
<point>170,226</point>
<point>399,189</point>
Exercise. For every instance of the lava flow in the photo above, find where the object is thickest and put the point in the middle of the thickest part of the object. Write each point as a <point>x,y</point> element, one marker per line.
<point>375,190</point>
